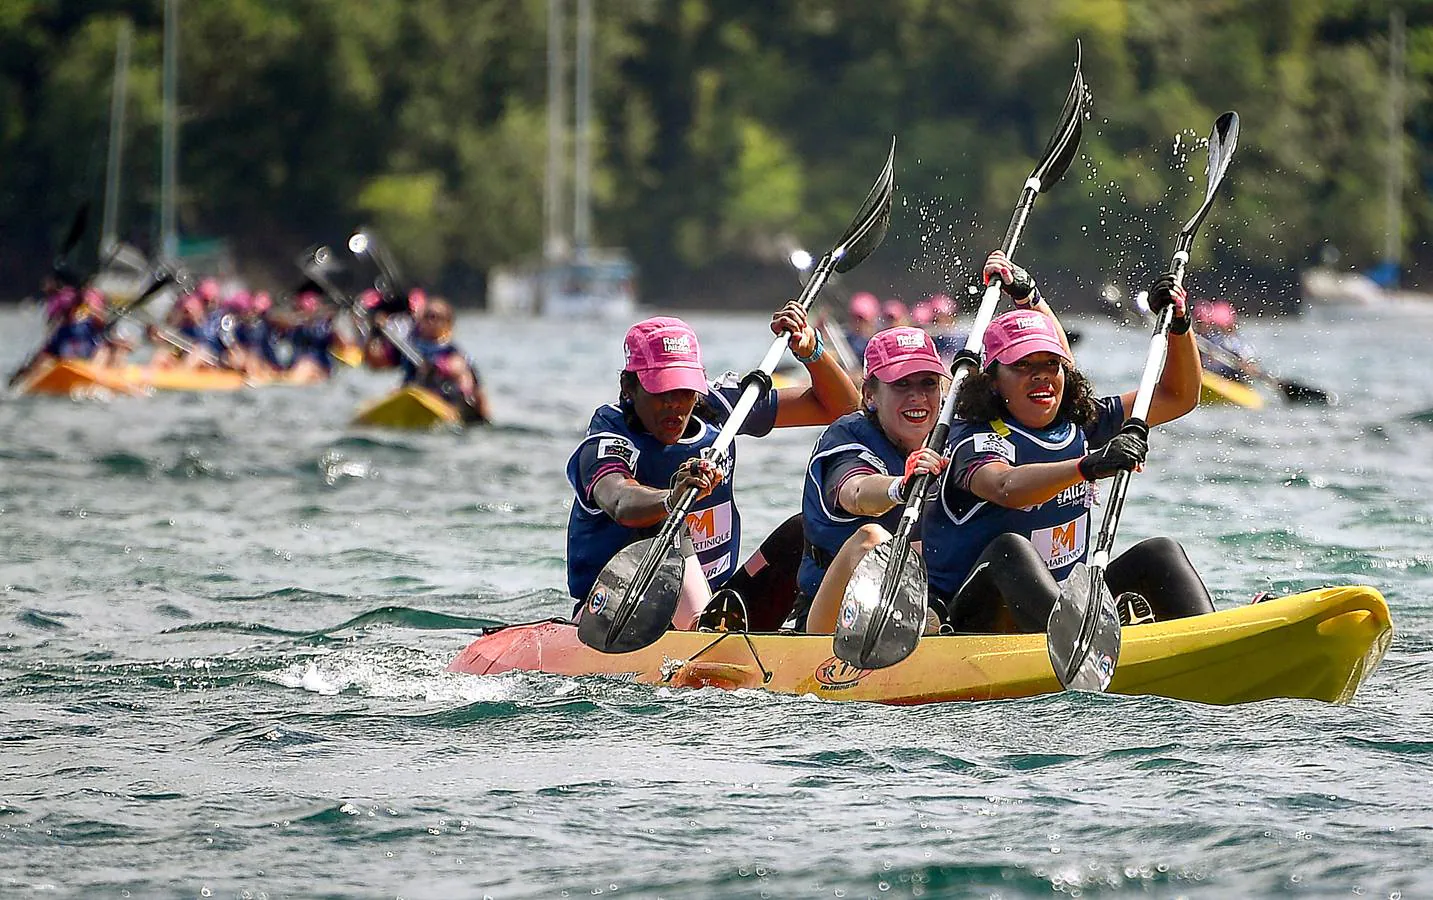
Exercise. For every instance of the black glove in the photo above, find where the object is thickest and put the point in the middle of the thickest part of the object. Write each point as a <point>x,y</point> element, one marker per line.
<point>1123,453</point>
<point>1166,292</point>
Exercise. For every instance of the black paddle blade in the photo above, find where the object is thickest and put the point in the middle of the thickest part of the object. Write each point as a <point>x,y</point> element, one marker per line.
<point>601,625</point>
<point>866,638</point>
<point>868,229</point>
<point>1065,141</point>
<point>1084,643</point>
<point>1222,140</point>
<point>77,230</point>
<point>1297,392</point>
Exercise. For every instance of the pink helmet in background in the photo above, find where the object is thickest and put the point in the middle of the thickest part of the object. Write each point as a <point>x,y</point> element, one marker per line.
<point>894,310</point>
<point>93,299</point>
<point>1216,314</point>
<point>239,303</point>
<point>208,290</point>
<point>61,302</point>
<point>417,299</point>
<point>262,303</point>
<point>306,301</point>
<point>922,314</point>
<point>864,307</point>
<point>941,305</point>
<point>370,299</point>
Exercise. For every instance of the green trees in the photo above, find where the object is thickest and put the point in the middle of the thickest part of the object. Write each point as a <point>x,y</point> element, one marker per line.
<point>726,131</point>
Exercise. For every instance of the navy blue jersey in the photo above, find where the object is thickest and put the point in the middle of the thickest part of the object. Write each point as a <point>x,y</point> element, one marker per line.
<point>850,446</point>
<point>617,443</point>
<point>957,528</point>
<point>312,340</point>
<point>430,352</point>
<point>256,335</point>
<point>76,340</point>
<point>1232,344</point>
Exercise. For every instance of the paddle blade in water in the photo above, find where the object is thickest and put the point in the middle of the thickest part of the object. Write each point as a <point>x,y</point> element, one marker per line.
<point>598,626</point>
<point>868,229</point>
<point>869,644</point>
<point>1297,392</point>
<point>1084,650</point>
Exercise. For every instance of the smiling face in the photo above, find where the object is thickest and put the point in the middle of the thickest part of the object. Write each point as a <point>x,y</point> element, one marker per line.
<point>665,415</point>
<point>1032,388</point>
<point>907,408</point>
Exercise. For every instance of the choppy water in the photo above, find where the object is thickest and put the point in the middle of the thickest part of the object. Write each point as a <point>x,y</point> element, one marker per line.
<point>224,622</point>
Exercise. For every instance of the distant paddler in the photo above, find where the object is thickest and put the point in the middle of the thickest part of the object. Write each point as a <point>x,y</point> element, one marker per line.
<point>1216,322</point>
<point>81,331</point>
<point>440,364</point>
<point>313,339</point>
<point>647,447</point>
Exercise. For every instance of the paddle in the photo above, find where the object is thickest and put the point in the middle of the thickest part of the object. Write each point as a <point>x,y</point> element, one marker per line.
<point>1083,636</point>
<point>632,602</point>
<point>884,609</point>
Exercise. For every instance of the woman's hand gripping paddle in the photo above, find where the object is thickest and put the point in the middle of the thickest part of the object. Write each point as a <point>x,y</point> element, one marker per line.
<point>632,602</point>
<point>1084,630</point>
<point>883,612</point>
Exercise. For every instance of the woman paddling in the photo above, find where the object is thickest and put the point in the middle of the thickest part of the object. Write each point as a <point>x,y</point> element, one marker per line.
<point>861,466</point>
<point>641,450</point>
<point>1013,514</point>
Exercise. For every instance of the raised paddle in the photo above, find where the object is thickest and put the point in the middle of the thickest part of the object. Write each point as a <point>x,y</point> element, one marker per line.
<point>883,611</point>
<point>632,602</point>
<point>60,269</point>
<point>1083,636</point>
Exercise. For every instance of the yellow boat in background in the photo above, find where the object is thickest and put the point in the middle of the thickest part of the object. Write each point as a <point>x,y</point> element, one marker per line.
<point>73,377</point>
<point>1218,390</point>
<point>409,407</point>
<point>1318,645</point>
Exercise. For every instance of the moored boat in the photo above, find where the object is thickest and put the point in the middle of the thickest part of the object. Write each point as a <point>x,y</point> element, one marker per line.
<point>1318,645</point>
<point>408,407</point>
<point>1217,389</point>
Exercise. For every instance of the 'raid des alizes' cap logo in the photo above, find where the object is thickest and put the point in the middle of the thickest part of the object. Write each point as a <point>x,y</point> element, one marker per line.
<point>1033,320</point>
<point>908,341</point>
<point>681,344</point>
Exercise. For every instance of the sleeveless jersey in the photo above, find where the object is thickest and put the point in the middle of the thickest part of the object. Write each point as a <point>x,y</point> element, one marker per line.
<point>851,445</point>
<point>957,528</point>
<point>615,444</point>
<point>311,340</point>
<point>75,340</point>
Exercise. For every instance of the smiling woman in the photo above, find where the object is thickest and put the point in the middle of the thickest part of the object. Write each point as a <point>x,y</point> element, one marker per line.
<point>862,465</point>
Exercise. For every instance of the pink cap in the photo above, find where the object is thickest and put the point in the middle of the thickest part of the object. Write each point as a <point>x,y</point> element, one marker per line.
<point>941,305</point>
<point>209,290</point>
<point>1218,313</point>
<point>922,314</point>
<point>61,302</point>
<point>664,354</point>
<point>417,299</point>
<point>306,301</point>
<point>262,302</point>
<point>238,302</point>
<point>370,299</point>
<point>1020,333</point>
<point>864,306</point>
<point>894,310</point>
<point>898,352</point>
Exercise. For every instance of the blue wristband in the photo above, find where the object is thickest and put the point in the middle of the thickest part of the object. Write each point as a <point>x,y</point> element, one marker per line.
<point>815,354</point>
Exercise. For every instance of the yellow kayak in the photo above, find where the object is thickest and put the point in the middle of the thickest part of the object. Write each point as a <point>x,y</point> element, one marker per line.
<point>1318,645</point>
<point>76,378</point>
<point>408,407</point>
<point>1217,389</point>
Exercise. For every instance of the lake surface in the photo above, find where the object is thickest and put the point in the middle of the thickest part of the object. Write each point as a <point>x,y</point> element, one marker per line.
<point>224,621</point>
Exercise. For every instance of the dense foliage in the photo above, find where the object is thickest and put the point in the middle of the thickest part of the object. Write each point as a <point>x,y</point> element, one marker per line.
<point>728,130</point>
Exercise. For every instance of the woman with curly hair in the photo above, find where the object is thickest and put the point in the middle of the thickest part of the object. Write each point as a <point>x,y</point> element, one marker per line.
<point>1013,516</point>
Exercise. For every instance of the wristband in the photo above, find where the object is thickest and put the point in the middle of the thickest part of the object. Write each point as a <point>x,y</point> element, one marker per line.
<point>1180,324</point>
<point>896,492</point>
<point>816,354</point>
<point>1029,300</point>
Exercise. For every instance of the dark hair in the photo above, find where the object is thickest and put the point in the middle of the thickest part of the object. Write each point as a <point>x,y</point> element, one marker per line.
<point>977,400</point>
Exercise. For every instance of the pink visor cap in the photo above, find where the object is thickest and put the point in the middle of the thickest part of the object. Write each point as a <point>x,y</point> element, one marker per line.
<point>664,354</point>
<point>1018,334</point>
<point>898,352</point>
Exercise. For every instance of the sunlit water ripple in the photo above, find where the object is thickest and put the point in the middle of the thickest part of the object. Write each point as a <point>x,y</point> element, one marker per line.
<point>225,622</point>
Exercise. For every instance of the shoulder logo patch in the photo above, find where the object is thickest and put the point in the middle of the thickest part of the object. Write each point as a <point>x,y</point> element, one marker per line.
<point>618,449</point>
<point>994,443</point>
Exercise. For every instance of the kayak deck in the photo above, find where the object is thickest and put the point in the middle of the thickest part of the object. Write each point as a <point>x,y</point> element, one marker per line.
<point>1318,645</point>
<point>74,377</point>
<point>408,407</point>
